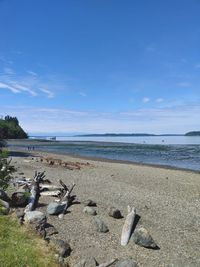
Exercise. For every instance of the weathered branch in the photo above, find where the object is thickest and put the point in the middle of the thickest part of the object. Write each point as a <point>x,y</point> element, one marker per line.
<point>128,225</point>
<point>66,197</point>
<point>35,191</point>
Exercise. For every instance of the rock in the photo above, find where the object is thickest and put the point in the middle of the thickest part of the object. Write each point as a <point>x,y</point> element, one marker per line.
<point>89,202</point>
<point>114,212</point>
<point>143,238</point>
<point>87,262</point>
<point>19,199</point>
<point>55,208</point>
<point>19,213</point>
<point>90,211</point>
<point>4,207</point>
<point>126,263</point>
<point>35,217</point>
<point>101,226</point>
<point>61,247</point>
<point>50,230</point>
<point>4,196</point>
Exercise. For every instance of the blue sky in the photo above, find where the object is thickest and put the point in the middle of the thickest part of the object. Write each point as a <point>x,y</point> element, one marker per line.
<point>98,66</point>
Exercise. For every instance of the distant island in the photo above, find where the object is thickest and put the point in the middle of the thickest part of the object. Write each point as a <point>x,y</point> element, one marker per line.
<point>193,133</point>
<point>124,135</point>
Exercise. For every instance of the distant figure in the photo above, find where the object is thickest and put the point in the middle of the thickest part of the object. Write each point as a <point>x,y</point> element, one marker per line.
<point>163,141</point>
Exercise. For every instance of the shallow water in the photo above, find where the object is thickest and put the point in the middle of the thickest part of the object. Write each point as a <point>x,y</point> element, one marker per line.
<point>175,155</point>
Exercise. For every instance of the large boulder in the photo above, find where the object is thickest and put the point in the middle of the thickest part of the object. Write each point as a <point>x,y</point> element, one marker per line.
<point>55,208</point>
<point>35,217</point>
<point>143,238</point>
<point>4,196</point>
<point>20,199</point>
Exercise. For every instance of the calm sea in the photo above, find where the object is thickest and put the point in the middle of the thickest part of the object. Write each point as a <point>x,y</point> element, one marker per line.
<point>174,151</point>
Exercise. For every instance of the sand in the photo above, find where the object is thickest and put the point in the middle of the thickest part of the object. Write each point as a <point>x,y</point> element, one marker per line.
<point>167,202</point>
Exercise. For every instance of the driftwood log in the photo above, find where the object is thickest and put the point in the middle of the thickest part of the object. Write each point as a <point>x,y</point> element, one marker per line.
<point>35,191</point>
<point>66,197</point>
<point>128,225</point>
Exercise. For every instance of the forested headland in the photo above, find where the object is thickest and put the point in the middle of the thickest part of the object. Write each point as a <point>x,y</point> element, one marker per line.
<point>10,129</point>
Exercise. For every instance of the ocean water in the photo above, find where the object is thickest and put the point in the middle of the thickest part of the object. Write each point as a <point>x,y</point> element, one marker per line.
<point>176,151</point>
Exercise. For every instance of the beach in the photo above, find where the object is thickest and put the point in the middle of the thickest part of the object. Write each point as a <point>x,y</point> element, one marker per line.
<point>167,203</point>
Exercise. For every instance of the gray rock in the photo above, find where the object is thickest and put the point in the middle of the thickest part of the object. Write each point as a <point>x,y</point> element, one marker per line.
<point>19,213</point>
<point>35,217</point>
<point>61,247</point>
<point>4,196</point>
<point>126,263</point>
<point>89,202</point>
<point>90,211</point>
<point>19,199</point>
<point>87,262</point>
<point>55,208</point>
<point>4,207</point>
<point>50,230</point>
<point>115,213</point>
<point>143,238</point>
<point>101,226</point>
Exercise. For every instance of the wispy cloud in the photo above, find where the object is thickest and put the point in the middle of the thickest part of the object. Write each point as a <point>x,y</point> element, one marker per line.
<point>184,84</point>
<point>9,87</point>
<point>32,73</point>
<point>159,100</point>
<point>145,99</point>
<point>47,92</point>
<point>29,83</point>
<point>155,120</point>
<point>82,94</point>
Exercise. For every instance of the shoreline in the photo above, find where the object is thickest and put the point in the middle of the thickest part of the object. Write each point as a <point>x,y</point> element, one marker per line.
<point>101,159</point>
<point>166,202</point>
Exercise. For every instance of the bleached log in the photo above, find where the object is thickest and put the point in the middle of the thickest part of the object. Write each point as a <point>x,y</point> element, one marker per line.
<point>106,264</point>
<point>66,198</point>
<point>35,191</point>
<point>55,193</point>
<point>49,187</point>
<point>128,225</point>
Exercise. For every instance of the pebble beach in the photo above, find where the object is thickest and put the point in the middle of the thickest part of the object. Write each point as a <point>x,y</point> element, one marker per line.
<point>167,203</point>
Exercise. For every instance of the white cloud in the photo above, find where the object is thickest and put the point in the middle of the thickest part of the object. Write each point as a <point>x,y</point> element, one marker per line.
<point>145,99</point>
<point>11,88</point>
<point>47,92</point>
<point>184,84</point>
<point>29,83</point>
<point>159,100</point>
<point>158,120</point>
<point>9,71</point>
<point>32,73</point>
<point>82,94</point>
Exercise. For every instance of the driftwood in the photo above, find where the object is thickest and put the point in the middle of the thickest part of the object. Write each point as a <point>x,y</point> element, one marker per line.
<point>66,197</point>
<point>35,191</point>
<point>55,193</point>
<point>49,187</point>
<point>128,225</point>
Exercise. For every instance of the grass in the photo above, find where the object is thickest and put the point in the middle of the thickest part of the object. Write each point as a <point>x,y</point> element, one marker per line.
<point>21,248</point>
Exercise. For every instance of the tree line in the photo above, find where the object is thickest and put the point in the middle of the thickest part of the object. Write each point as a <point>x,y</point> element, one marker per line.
<point>10,129</point>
